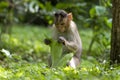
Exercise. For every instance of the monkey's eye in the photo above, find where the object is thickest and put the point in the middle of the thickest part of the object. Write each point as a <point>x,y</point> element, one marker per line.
<point>63,14</point>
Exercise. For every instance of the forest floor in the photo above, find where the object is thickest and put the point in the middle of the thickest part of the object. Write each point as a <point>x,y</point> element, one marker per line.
<point>28,59</point>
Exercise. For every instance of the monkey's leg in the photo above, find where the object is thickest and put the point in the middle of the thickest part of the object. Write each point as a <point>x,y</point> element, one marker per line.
<point>74,62</point>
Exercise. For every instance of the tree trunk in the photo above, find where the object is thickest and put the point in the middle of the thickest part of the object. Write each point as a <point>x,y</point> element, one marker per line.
<point>115,38</point>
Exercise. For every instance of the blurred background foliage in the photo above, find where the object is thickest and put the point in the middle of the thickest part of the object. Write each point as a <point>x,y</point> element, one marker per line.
<point>40,12</point>
<point>93,18</point>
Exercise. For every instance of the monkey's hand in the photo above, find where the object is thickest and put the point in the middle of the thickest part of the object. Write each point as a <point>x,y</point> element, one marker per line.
<point>47,41</point>
<point>61,40</point>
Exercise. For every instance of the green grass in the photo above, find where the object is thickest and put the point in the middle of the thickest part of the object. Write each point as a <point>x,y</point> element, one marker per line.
<point>39,71</point>
<point>26,41</point>
<point>29,58</point>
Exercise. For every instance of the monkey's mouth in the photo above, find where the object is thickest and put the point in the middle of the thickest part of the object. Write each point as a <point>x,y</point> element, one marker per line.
<point>62,30</point>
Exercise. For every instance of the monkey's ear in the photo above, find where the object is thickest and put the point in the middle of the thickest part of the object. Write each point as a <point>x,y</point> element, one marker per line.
<point>69,15</point>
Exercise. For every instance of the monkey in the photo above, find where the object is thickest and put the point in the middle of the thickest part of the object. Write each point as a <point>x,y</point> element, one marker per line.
<point>65,32</point>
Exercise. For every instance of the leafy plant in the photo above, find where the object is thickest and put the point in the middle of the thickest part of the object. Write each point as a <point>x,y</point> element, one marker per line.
<point>58,59</point>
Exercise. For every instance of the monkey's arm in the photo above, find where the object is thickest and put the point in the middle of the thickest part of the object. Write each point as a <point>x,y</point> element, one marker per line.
<point>71,45</point>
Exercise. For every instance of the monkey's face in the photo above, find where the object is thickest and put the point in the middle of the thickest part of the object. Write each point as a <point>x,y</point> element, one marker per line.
<point>61,25</point>
<point>61,21</point>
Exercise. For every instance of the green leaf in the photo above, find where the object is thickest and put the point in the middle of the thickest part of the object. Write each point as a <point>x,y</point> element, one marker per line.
<point>41,5</point>
<point>108,22</point>
<point>92,12</point>
<point>63,61</point>
<point>56,52</point>
<point>97,11</point>
<point>48,6</point>
<point>3,4</point>
<point>100,10</point>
